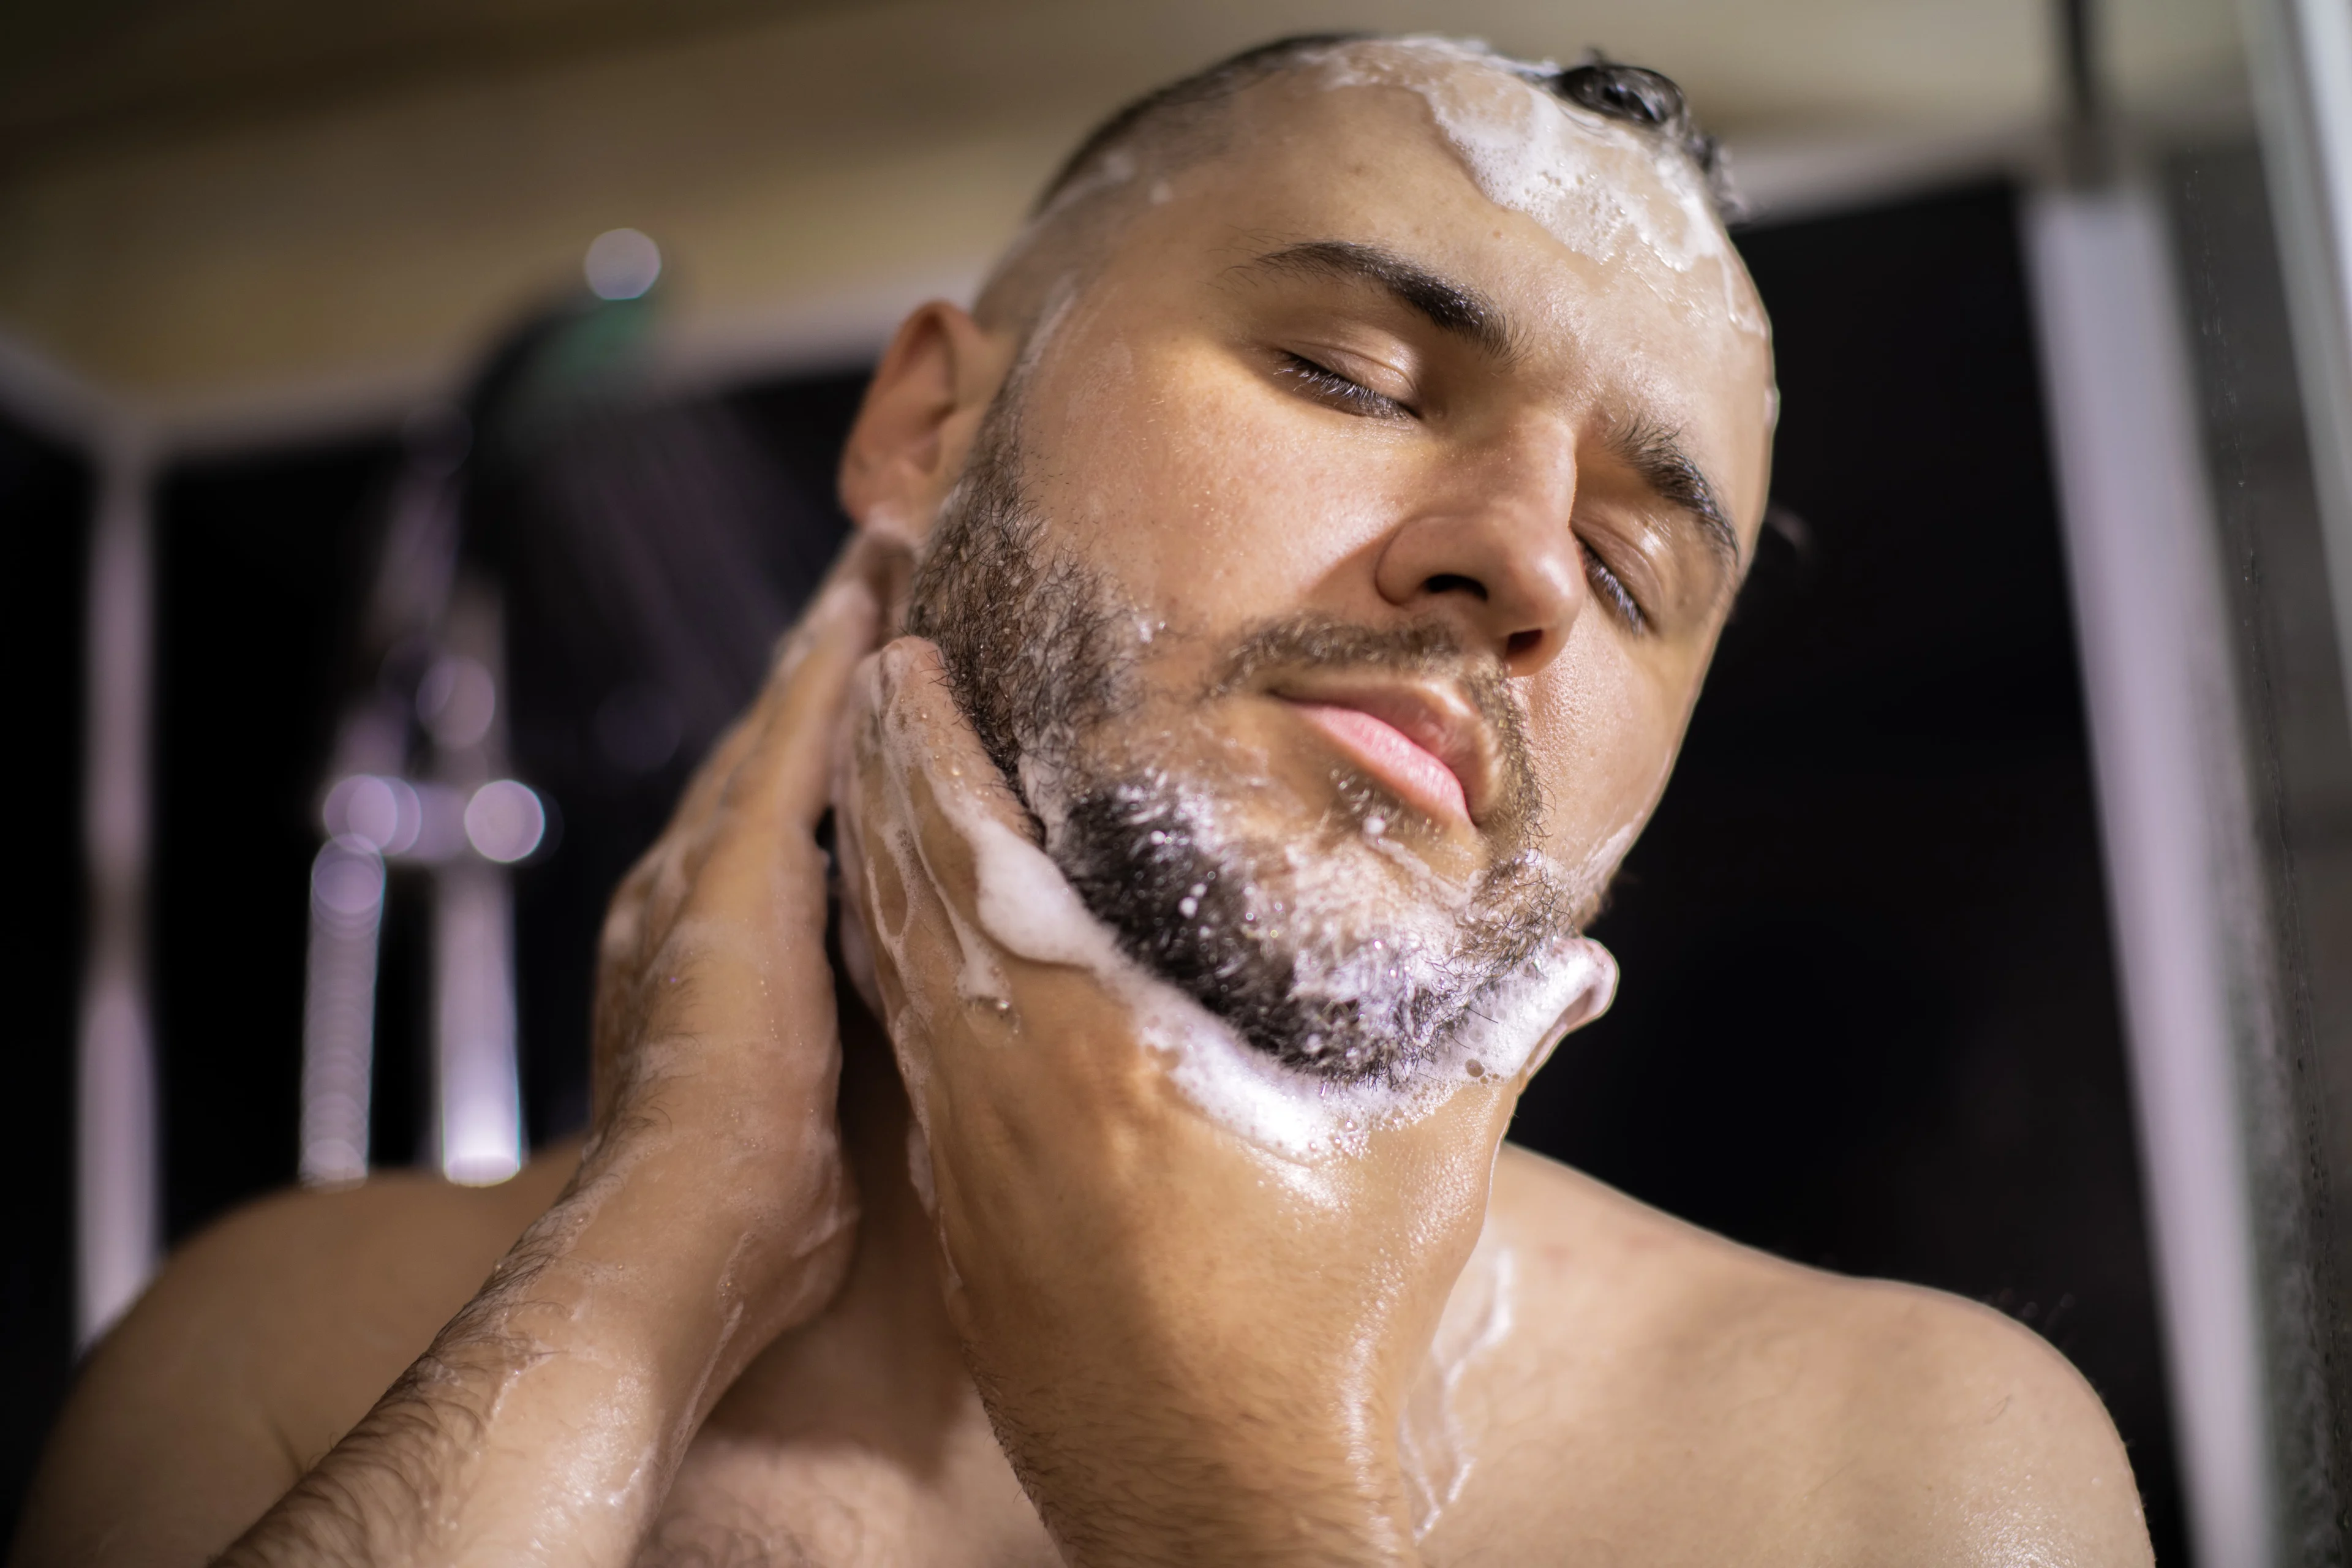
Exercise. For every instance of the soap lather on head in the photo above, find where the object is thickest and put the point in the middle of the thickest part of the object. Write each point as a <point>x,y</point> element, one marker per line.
<point>1538,137</point>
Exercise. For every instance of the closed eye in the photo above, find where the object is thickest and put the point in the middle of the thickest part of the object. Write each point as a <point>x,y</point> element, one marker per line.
<point>1611,591</point>
<point>1328,386</point>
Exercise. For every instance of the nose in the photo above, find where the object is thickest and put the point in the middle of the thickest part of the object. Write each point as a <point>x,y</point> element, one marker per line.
<point>1495,552</point>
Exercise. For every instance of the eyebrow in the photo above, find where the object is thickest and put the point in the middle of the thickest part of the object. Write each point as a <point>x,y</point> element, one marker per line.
<point>1657,454</point>
<point>1454,309</point>
<point>1649,449</point>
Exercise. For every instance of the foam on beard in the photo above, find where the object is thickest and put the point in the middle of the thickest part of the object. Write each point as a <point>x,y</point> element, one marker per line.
<point>1025,906</point>
<point>1337,950</point>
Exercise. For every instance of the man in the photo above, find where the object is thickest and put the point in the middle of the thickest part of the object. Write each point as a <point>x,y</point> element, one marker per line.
<point>1317,534</point>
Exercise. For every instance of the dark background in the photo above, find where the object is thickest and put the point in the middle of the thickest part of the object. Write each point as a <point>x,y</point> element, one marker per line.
<point>1869,1016</point>
<point>46,495</point>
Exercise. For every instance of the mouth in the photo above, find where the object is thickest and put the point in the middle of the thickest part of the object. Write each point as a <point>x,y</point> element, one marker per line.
<point>1424,742</point>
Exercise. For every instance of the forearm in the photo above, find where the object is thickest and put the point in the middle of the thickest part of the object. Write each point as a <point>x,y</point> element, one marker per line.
<point>546,1420</point>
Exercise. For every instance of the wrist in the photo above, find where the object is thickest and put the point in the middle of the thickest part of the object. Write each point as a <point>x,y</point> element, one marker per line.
<point>553,1408</point>
<point>686,1255</point>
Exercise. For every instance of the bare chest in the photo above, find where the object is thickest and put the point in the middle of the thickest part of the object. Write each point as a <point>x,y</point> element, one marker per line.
<point>843,1459</point>
<point>849,1488</point>
<point>1517,1444</point>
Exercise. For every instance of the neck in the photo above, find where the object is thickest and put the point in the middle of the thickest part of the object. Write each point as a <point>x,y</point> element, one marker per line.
<point>888,1324</point>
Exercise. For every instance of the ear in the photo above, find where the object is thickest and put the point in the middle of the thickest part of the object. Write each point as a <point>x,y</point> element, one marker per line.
<point>919,417</point>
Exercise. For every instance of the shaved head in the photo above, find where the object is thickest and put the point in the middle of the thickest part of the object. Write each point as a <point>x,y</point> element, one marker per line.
<point>1126,164</point>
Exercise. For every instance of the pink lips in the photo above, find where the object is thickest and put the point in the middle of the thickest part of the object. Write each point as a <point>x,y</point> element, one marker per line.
<point>1394,757</point>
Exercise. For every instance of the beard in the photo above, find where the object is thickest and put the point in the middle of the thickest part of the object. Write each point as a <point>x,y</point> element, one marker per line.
<point>1337,950</point>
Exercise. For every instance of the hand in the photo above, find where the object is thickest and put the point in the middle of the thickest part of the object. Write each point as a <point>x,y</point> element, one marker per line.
<point>711,1209</point>
<point>1194,1348</point>
<point>716,1041</point>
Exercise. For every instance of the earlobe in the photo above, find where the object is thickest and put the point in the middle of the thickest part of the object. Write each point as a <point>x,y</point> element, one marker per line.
<point>920,416</point>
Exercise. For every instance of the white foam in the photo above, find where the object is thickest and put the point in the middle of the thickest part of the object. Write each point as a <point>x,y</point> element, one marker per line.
<point>1025,905</point>
<point>1436,1441</point>
<point>1599,186</point>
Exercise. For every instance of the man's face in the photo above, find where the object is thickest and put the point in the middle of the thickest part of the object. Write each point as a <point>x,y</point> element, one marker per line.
<point>1336,575</point>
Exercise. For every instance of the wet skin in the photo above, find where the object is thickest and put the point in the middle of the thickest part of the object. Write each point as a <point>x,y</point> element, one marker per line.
<point>1234,424</point>
<point>729,1334</point>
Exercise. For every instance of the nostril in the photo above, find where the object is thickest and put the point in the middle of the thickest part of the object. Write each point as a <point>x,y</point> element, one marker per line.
<point>1451,582</point>
<point>1521,643</point>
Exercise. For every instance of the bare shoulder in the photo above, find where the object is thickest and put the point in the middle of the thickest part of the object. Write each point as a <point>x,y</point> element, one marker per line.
<point>264,1339</point>
<point>1836,1419</point>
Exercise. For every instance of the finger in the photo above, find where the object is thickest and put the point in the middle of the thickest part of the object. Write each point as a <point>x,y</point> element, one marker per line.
<point>958,806</point>
<point>877,567</point>
<point>646,903</point>
<point>989,942</point>
<point>785,772</point>
<point>755,785</point>
<point>904,742</point>
<point>963,836</point>
<point>917,701</point>
<point>757,838</point>
<point>871,882</point>
<point>882,794</point>
<point>919,788</point>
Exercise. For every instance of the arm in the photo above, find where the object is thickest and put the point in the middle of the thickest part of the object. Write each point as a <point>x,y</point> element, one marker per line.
<point>264,1339</point>
<point>711,1209</point>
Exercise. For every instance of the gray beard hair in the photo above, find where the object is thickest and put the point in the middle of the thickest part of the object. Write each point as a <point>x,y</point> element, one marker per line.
<point>1041,656</point>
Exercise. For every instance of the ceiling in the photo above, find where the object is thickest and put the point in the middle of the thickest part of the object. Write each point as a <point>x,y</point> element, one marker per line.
<point>76,72</point>
<point>254,210</point>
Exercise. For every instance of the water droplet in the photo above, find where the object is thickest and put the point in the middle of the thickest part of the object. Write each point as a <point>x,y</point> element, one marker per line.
<point>1375,825</point>
<point>1475,1070</point>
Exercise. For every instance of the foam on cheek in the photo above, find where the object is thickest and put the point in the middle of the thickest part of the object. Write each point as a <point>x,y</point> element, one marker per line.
<point>1601,187</point>
<point>1024,905</point>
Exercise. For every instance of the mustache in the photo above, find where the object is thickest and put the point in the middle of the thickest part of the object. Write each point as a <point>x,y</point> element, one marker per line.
<point>1311,640</point>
